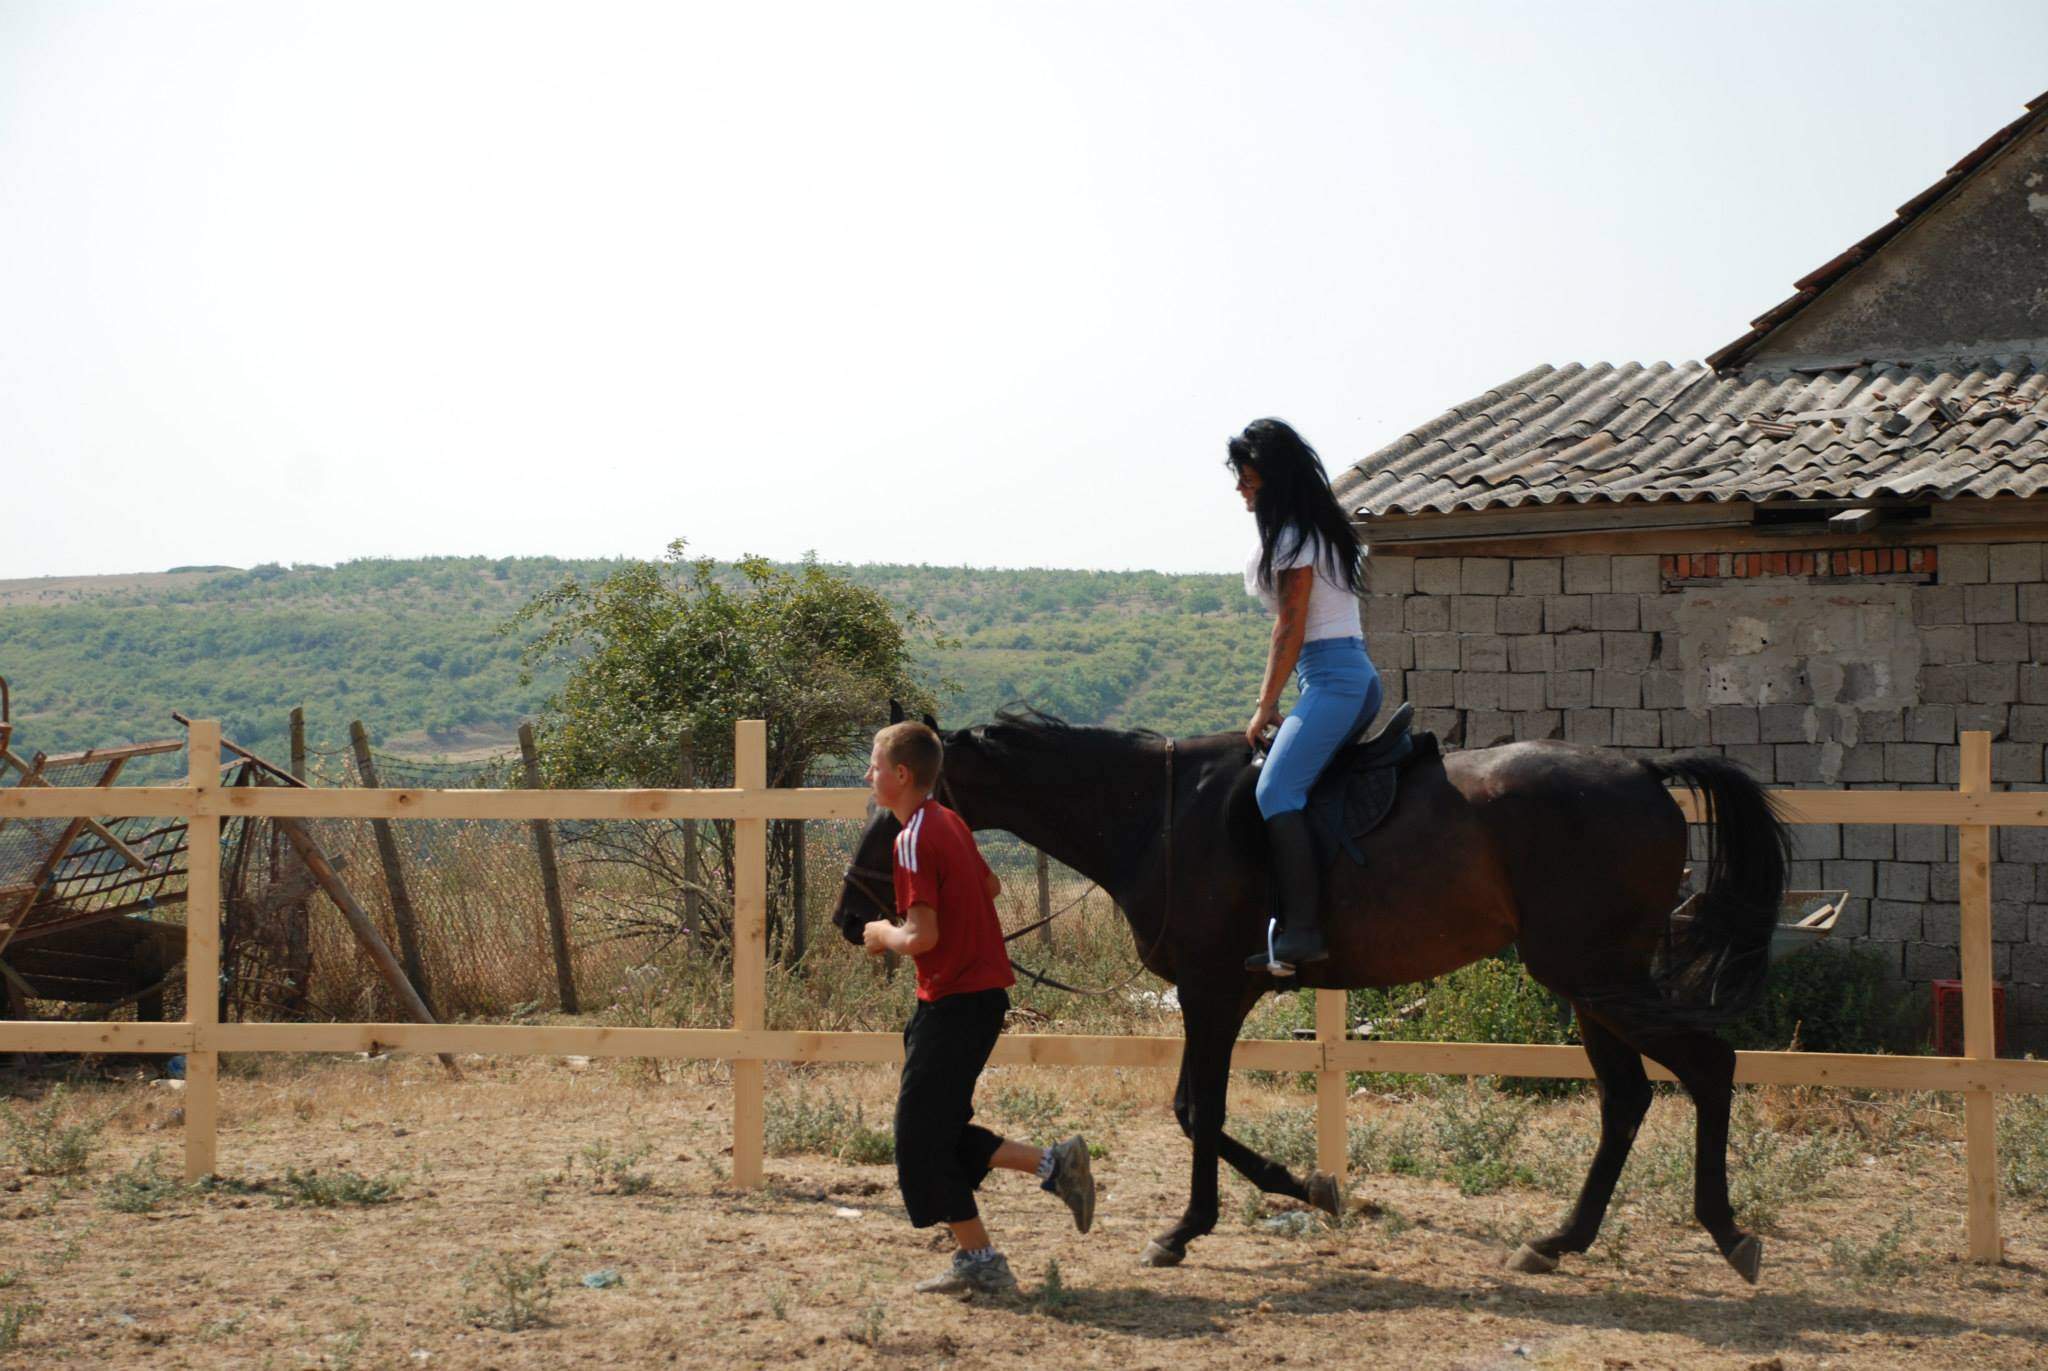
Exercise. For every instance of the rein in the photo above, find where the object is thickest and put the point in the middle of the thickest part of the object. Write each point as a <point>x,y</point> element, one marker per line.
<point>869,882</point>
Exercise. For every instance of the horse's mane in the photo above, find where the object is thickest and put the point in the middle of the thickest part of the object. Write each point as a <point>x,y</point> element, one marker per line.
<point>1028,726</point>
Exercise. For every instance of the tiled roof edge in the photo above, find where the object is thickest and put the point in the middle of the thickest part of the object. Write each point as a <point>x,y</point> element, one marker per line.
<point>1810,286</point>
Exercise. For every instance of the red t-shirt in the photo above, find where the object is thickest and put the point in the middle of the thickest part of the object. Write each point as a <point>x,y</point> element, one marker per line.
<point>938,864</point>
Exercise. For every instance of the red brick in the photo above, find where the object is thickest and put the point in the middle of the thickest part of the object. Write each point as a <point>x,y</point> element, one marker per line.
<point>1756,564</point>
<point>1934,559</point>
<point>1841,563</point>
<point>1774,563</point>
<point>1667,566</point>
<point>1741,567</point>
<point>1918,561</point>
<point>1699,564</point>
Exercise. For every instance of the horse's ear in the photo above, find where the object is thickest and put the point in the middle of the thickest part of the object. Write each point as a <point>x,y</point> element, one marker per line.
<point>895,710</point>
<point>931,723</point>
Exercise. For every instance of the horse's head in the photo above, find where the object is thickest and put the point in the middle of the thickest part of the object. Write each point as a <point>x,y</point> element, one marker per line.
<point>1026,772</point>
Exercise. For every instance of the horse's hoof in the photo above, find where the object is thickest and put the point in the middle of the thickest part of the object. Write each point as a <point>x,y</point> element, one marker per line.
<point>1158,1253</point>
<point>1527,1259</point>
<point>1324,1193</point>
<point>1747,1258</point>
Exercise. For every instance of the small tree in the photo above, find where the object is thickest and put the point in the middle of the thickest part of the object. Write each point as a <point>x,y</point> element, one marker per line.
<point>664,657</point>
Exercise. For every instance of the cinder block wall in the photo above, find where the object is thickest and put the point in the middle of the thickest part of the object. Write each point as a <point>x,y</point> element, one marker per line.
<point>1822,668</point>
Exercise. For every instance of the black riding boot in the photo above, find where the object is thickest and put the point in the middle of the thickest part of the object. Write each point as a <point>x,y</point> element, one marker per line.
<point>1292,853</point>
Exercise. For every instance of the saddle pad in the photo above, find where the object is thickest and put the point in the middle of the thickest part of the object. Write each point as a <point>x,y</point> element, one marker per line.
<point>1349,802</point>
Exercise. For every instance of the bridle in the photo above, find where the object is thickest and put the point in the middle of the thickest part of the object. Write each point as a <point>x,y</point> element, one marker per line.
<point>879,886</point>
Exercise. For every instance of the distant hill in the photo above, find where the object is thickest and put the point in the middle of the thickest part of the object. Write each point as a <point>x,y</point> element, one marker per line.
<point>413,649</point>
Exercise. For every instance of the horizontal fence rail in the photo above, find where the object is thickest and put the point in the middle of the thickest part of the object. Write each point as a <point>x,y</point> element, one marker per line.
<point>749,1045</point>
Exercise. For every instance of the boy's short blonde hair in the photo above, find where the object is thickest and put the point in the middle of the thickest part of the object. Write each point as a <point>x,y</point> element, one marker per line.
<point>913,745</point>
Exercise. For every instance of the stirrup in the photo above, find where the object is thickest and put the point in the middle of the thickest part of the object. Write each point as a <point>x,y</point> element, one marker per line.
<point>1270,963</point>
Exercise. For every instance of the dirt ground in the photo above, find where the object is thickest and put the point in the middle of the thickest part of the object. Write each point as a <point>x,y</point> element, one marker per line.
<point>519,1165</point>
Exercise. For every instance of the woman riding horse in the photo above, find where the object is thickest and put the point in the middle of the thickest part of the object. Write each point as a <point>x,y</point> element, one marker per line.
<point>1305,571</point>
<point>1572,853</point>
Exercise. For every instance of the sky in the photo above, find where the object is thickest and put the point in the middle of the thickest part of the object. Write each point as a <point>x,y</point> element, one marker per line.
<point>957,283</point>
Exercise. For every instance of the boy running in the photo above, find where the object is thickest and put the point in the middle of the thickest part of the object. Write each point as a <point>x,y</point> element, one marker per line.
<point>946,895</point>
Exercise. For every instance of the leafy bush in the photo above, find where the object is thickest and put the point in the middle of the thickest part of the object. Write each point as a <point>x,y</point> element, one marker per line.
<point>1829,998</point>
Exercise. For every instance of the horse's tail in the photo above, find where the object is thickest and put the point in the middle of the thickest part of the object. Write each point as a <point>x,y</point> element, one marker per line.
<point>1718,958</point>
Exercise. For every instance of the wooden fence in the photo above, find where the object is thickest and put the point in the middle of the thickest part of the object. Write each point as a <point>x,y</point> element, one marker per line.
<point>1978,1075</point>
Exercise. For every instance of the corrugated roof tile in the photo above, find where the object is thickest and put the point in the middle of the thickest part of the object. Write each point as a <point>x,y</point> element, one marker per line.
<point>1602,433</point>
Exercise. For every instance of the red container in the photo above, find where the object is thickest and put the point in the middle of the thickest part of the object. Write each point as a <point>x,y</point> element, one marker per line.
<point>1948,1018</point>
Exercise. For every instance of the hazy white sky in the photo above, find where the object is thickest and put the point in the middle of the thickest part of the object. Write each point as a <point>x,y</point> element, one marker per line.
<point>964,282</point>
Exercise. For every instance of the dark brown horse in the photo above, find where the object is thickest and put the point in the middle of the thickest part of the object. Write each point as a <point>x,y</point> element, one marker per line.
<point>1572,852</point>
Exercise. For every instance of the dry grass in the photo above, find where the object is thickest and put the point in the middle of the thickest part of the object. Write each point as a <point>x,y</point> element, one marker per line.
<point>518,1184</point>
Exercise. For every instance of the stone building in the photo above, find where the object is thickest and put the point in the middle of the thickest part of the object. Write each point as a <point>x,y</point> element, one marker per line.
<point>1821,553</point>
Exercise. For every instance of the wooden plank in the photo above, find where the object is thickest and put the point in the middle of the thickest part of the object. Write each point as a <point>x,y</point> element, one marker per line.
<point>1858,1070</point>
<point>28,1035</point>
<point>2027,809</point>
<point>1980,1117</point>
<point>725,1044</point>
<point>1841,1069</point>
<point>749,949</point>
<point>402,916</point>
<point>509,1040</point>
<point>550,880</point>
<point>2020,809</point>
<point>202,953</point>
<point>1332,1135</point>
<point>108,754</point>
<point>811,802</point>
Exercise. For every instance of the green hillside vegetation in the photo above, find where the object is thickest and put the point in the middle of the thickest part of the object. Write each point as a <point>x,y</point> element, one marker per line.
<point>415,649</point>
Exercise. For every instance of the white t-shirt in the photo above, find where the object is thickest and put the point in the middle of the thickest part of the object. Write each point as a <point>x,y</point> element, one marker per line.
<point>1332,610</point>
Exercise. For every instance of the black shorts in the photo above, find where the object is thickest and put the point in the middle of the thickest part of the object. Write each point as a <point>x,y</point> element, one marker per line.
<point>941,1156</point>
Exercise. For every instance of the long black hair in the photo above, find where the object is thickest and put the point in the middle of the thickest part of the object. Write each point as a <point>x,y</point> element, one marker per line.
<point>1294,502</point>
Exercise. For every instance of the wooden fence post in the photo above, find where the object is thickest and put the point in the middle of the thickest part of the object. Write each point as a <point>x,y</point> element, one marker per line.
<point>202,952</point>
<point>298,918</point>
<point>1332,1134</point>
<point>749,950</point>
<point>394,873</point>
<point>1044,899</point>
<point>550,879</point>
<point>799,902</point>
<point>1980,1117</point>
<point>693,902</point>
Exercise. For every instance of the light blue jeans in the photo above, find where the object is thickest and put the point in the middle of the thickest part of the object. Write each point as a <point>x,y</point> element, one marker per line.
<point>1338,688</point>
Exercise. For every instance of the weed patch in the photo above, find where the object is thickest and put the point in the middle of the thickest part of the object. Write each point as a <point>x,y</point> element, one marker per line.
<point>142,1188</point>
<point>508,1292</point>
<point>612,1169</point>
<point>13,1318</point>
<point>802,1122</point>
<point>336,1189</point>
<point>2023,1146</point>
<point>44,1143</point>
<point>1883,1258</point>
<point>1475,1130</point>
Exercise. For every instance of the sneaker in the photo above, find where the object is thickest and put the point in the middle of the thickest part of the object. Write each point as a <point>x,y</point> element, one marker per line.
<point>966,1276</point>
<point>1073,1180</point>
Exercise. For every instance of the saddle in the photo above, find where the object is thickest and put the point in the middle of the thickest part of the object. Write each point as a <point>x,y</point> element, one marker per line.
<point>1358,787</point>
